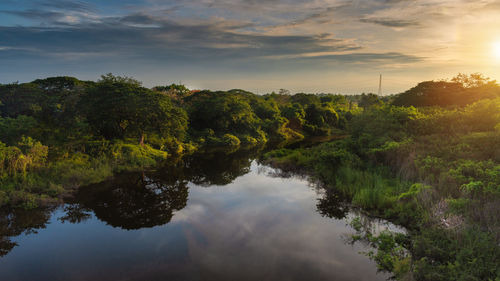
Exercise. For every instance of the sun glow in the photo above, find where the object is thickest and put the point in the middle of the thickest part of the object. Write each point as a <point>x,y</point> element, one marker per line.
<point>496,50</point>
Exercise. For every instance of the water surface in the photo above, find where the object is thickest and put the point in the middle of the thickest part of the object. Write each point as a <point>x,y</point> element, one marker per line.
<point>218,217</point>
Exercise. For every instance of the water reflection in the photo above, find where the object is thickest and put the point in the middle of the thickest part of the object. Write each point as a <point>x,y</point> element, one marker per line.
<point>147,199</point>
<point>332,205</point>
<point>18,221</point>
<point>251,224</point>
<point>218,167</point>
<point>134,200</point>
<point>130,201</point>
<point>138,200</point>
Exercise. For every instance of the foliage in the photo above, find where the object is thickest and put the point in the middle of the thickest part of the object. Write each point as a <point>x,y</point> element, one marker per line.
<point>427,159</point>
<point>173,89</point>
<point>460,91</point>
<point>12,129</point>
<point>119,108</point>
<point>452,157</point>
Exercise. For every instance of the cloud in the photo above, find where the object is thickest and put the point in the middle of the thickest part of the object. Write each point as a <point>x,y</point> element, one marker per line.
<point>141,35</point>
<point>321,17</point>
<point>34,14</point>
<point>66,5</point>
<point>138,18</point>
<point>493,5</point>
<point>390,57</point>
<point>390,22</point>
<point>281,37</point>
<point>55,12</point>
<point>351,59</point>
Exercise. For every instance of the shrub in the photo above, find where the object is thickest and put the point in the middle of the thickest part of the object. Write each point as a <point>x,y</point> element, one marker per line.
<point>230,140</point>
<point>136,156</point>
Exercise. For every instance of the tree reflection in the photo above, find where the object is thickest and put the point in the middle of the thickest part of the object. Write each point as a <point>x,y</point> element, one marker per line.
<point>332,205</point>
<point>130,201</point>
<point>18,221</point>
<point>218,167</point>
<point>137,200</point>
<point>148,199</point>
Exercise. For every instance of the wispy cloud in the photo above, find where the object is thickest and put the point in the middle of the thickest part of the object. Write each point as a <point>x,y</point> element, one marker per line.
<point>34,14</point>
<point>391,22</point>
<point>67,5</point>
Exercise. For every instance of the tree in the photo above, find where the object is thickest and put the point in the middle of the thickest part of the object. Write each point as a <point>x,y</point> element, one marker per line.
<point>52,102</point>
<point>265,109</point>
<point>175,90</point>
<point>295,114</point>
<point>119,107</point>
<point>284,92</point>
<point>430,93</point>
<point>321,116</point>
<point>222,112</point>
<point>473,80</point>
<point>60,100</point>
<point>12,129</point>
<point>460,91</point>
<point>368,100</point>
<point>21,99</point>
<point>306,99</point>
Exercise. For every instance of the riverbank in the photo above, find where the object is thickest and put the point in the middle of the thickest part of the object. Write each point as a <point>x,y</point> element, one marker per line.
<point>52,181</point>
<point>452,232</point>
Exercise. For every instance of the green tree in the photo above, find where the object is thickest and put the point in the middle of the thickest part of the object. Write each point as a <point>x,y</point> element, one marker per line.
<point>173,89</point>
<point>119,107</point>
<point>473,80</point>
<point>12,129</point>
<point>222,112</point>
<point>321,116</point>
<point>368,100</point>
<point>21,99</point>
<point>461,91</point>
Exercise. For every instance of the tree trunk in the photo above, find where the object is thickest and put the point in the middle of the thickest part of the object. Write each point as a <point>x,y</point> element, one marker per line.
<point>141,142</point>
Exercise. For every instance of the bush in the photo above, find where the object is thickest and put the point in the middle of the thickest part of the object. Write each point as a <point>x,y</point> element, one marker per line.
<point>230,140</point>
<point>136,156</point>
<point>249,141</point>
<point>441,255</point>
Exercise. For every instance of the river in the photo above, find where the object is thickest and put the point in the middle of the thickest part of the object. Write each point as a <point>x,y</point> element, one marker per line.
<point>215,216</point>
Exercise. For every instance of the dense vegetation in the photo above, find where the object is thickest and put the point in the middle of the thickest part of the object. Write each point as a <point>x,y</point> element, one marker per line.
<point>427,159</point>
<point>60,133</point>
<point>433,169</point>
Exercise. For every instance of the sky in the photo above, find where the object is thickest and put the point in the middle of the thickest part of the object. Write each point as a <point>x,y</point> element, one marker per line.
<point>331,46</point>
